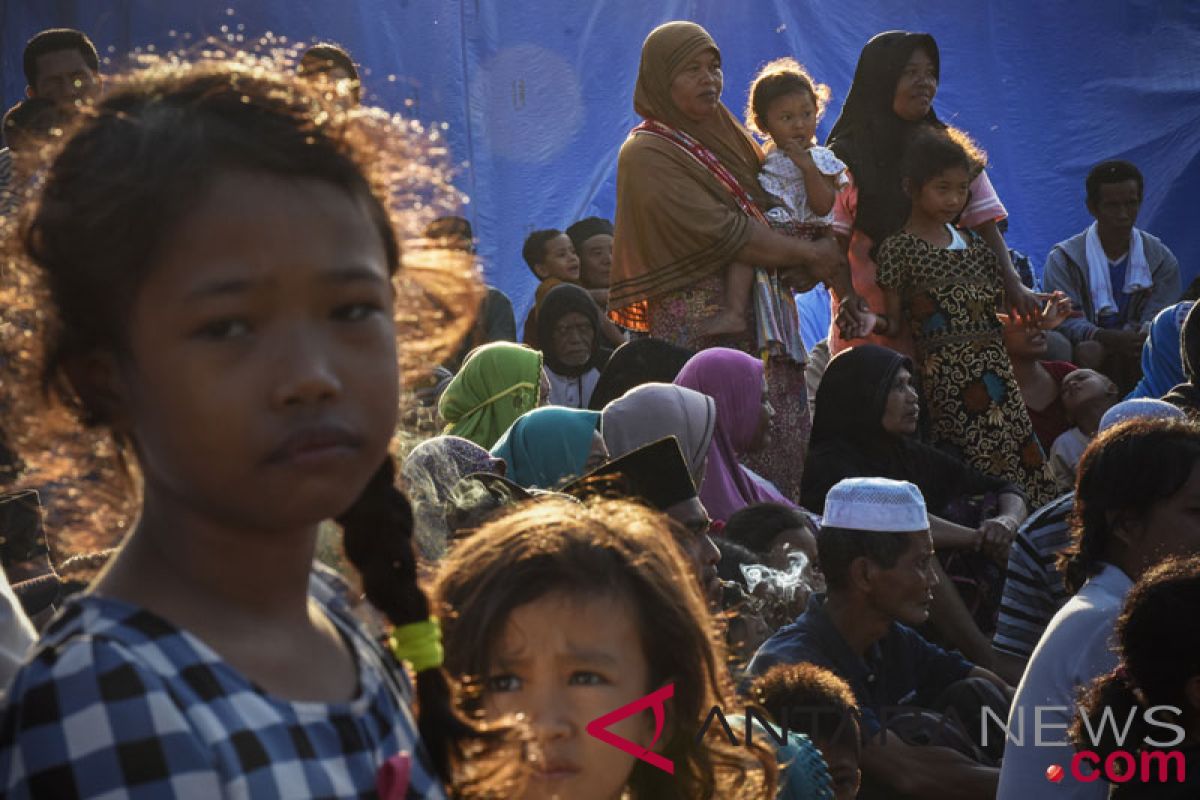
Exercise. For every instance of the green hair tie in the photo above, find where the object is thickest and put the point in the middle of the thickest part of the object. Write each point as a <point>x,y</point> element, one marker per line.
<point>418,643</point>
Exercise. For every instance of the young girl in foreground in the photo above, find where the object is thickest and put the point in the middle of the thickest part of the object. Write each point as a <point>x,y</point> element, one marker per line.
<point>562,612</point>
<point>944,284</point>
<point>215,258</point>
<point>785,105</point>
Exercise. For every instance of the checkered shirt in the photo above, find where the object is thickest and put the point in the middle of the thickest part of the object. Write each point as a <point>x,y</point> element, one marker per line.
<point>117,703</point>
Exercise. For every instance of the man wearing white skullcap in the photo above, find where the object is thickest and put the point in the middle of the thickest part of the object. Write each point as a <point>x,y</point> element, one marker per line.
<point>875,550</point>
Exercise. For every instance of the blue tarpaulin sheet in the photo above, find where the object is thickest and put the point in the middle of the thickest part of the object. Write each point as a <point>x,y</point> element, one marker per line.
<point>538,95</point>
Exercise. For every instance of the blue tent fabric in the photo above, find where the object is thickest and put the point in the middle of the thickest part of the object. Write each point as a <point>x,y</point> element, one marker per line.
<point>537,96</point>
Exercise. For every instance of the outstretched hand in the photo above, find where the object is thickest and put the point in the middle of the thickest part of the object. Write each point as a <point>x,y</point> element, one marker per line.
<point>1058,307</point>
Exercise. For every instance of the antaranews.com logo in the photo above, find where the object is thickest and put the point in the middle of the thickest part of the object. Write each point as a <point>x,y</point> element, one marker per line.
<point>1120,766</point>
<point>656,702</point>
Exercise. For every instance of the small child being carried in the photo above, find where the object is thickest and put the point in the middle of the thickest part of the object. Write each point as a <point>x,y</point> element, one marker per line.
<point>785,104</point>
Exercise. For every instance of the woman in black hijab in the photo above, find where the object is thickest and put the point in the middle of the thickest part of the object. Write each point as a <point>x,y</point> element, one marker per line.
<point>568,326</point>
<point>866,411</point>
<point>646,360</point>
<point>892,95</point>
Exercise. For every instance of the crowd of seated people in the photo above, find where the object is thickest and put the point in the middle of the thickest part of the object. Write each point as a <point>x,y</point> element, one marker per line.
<point>231,568</point>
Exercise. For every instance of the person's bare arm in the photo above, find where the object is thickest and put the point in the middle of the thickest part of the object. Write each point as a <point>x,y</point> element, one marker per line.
<point>949,535</point>
<point>948,613</point>
<point>820,260</point>
<point>998,532</point>
<point>893,316</point>
<point>927,771</point>
<point>804,263</point>
<point>1008,666</point>
<point>819,188</point>
<point>1013,505</point>
<point>1021,301</point>
<point>994,679</point>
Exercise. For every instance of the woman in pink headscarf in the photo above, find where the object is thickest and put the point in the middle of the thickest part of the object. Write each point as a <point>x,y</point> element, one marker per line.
<point>738,386</point>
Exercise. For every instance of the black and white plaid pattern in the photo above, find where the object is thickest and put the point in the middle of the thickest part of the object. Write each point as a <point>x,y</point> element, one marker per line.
<point>118,703</point>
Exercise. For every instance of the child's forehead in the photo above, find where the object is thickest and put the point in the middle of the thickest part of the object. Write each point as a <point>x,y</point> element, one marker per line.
<point>245,219</point>
<point>570,622</point>
<point>797,95</point>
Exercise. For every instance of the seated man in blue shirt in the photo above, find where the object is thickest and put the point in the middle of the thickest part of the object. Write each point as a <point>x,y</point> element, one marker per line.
<point>877,556</point>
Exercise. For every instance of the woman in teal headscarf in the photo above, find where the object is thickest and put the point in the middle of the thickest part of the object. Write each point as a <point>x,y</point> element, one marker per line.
<point>548,446</point>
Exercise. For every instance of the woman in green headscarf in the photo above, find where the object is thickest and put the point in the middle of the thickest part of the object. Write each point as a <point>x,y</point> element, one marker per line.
<point>497,383</point>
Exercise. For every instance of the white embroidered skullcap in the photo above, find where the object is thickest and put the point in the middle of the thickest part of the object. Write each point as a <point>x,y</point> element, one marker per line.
<point>875,504</point>
<point>1139,408</point>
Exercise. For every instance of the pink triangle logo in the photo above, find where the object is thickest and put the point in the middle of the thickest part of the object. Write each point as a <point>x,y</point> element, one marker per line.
<point>655,700</point>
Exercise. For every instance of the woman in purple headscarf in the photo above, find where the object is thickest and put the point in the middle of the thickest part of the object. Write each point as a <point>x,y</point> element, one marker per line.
<point>737,384</point>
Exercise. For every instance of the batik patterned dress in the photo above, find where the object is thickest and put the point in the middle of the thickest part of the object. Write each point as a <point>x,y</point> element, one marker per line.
<point>975,407</point>
<point>677,318</point>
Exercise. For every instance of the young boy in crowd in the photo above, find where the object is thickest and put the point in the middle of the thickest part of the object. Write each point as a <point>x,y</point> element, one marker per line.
<point>552,259</point>
<point>811,700</point>
<point>774,532</point>
<point>877,556</point>
<point>1086,395</point>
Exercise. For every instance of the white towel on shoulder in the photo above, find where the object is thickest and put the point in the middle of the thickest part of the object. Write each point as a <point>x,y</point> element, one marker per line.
<point>1137,273</point>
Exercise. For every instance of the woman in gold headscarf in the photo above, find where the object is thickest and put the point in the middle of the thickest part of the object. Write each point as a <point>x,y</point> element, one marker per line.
<point>688,205</point>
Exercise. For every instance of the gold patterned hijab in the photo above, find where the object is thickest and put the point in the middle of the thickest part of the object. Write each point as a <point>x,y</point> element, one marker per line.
<point>675,222</point>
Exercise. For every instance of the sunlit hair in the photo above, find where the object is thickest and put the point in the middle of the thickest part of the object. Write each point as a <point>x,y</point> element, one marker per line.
<point>121,176</point>
<point>115,185</point>
<point>605,549</point>
<point>776,79</point>
<point>931,151</point>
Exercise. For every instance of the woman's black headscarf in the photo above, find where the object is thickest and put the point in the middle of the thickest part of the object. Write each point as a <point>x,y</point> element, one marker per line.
<point>869,136</point>
<point>853,395</point>
<point>647,360</point>
<point>848,439</point>
<point>560,301</point>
